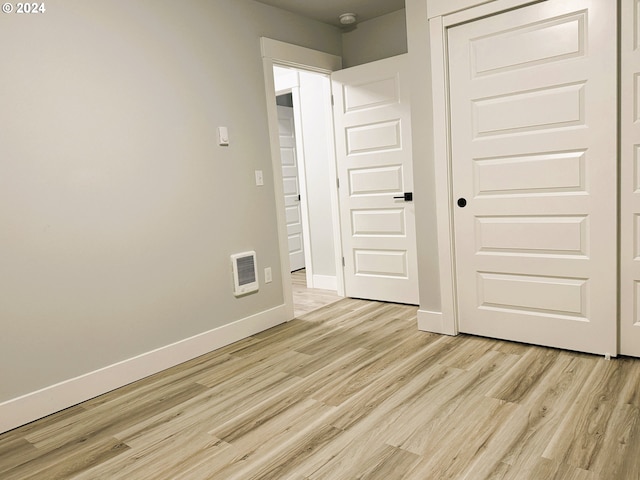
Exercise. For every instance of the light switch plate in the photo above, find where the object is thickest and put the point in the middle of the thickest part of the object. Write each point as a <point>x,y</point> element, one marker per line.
<point>268,278</point>
<point>223,136</point>
<point>259,178</point>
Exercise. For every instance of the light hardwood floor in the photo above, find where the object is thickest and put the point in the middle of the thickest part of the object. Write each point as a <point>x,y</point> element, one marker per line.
<point>305,299</point>
<point>349,391</point>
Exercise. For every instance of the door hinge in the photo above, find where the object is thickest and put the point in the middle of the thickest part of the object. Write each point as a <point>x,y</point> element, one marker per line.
<point>338,182</point>
<point>343,264</point>
<point>332,101</point>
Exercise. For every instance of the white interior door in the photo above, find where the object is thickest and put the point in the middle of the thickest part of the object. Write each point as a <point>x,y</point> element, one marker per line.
<point>630,181</point>
<point>293,211</point>
<point>533,145</point>
<point>373,152</point>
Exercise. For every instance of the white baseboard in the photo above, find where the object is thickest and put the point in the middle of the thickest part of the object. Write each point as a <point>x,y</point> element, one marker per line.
<point>325,282</point>
<point>38,404</point>
<point>435,322</point>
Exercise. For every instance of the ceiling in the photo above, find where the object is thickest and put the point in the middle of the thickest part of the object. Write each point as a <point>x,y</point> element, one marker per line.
<point>327,11</point>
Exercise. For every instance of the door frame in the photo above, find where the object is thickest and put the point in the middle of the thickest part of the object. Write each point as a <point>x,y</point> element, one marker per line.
<point>284,54</point>
<point>628,329</point>
<point>442,15</point>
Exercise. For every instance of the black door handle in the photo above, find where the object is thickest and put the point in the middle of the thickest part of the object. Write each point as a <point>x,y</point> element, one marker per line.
<point>407,197</point>
<point>462,202</point>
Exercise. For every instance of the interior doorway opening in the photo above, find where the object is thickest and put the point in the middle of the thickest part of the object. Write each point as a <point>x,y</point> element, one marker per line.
<point>305,128</point>
<point>276,53</point>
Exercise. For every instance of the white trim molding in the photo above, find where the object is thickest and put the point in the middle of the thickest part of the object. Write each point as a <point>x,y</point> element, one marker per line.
<point>295,55</point>
<point>325,282</point>
<point>441,147</point>
<point>435,322</point>
<point>437,8</point>
<point>477,8</point>
<point>38,404</point>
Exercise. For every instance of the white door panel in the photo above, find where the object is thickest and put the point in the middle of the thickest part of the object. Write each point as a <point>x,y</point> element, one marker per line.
<point>373,145</point>
<point>529,174</point>
<point>630,181</point>
<point>375,180</point>
<point>371,222</point>
<point>290,183</point>
<point>532,235</point>
<point>533,142</point>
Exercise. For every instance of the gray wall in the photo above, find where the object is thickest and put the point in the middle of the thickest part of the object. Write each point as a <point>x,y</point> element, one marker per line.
<point>118,211</point>
<point>423,155</point>
<point>375,39</point>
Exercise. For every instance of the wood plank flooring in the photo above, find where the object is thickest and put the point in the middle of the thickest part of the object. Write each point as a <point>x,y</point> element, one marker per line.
<point>305,299</point>
<point>351,391</point>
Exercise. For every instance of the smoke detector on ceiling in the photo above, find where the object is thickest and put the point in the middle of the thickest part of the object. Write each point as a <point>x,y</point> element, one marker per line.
<point>347,18</point>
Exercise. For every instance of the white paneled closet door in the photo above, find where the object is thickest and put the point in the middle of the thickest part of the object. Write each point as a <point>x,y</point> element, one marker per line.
<point>533,142</point>
<point>630,180</point>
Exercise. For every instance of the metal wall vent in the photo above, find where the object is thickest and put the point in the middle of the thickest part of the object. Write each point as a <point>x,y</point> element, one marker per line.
<point>245,273</point>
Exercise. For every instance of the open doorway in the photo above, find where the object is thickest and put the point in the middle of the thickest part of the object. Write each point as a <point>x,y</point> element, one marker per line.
<point>373,215</point>
<point>305,129</point>
<point>284,54</point>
